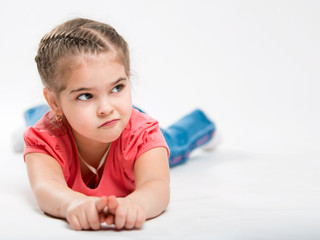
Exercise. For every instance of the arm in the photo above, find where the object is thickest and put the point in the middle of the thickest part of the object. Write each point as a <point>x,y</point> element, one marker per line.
<point>152,193</point>
<point>152,178</point>
<point>57,199</point>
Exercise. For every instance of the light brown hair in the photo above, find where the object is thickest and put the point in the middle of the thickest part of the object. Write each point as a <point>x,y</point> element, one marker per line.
<point>72,38</point>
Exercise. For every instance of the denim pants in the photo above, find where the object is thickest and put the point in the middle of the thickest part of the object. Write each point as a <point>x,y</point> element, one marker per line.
<point>190,132</point>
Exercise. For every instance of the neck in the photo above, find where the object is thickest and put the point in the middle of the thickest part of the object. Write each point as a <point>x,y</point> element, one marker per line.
<point>91,151</point>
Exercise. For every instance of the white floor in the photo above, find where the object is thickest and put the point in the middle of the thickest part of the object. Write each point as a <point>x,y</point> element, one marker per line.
<point>253,66</point>
<point>221,195</point>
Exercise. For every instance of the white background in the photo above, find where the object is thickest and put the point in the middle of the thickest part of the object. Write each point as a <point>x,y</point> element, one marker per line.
<point>253,66</point>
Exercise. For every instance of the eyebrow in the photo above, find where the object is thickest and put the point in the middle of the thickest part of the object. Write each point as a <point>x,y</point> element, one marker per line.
<point>89,89</point>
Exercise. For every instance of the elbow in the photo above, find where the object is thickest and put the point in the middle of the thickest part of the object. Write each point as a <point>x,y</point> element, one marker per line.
<point>168,198</point>
<point>39,191</point>
<point>165,195</point>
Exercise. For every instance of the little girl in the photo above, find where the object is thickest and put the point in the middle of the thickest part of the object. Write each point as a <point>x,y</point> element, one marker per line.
<point>93,158</point>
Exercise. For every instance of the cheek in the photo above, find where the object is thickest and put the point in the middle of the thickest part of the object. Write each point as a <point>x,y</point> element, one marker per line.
<point>76,115</point>
<point>125,101</point>
<point>127,105</point>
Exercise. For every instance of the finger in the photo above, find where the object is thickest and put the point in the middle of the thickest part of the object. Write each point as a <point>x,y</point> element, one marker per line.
<point>131,219</point>
<point>102,217</point>
<point>105,211</point>
<point>93,217</point>
<point>82,217</point>
<point>141,218</point>
<point>120,217</point>
<point>110,219</point>
<point>101,203</point>
<point>74,223</point>
<point>112,204</point>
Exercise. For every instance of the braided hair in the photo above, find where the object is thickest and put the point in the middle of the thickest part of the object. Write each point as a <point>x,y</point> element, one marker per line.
<point>73,38</point>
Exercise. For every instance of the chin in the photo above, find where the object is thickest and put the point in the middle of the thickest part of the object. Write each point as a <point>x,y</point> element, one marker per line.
<point>110,138</point>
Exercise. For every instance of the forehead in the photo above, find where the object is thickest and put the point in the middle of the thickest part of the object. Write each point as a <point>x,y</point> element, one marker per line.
<point>87,67</point>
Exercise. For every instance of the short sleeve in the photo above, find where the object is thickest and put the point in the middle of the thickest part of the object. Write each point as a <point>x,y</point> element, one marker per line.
<point>142,135</point>
<point>41,139</point>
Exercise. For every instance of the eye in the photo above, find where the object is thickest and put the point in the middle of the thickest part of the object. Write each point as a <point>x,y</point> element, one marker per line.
<point>84,96</point>
<point>117,88</point>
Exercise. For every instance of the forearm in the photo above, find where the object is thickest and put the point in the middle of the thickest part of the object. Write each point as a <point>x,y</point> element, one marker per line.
<point>57,199</point>
<point>153,195</point>
<point>54,198</point>
<point>48,184</point>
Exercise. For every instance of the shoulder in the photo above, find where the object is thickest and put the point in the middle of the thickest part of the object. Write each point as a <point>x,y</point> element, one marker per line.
<point>53,138</point>
<point>141,134</point>
<point>48,123</point>
<point>140,121</point>
<point>46,133</point>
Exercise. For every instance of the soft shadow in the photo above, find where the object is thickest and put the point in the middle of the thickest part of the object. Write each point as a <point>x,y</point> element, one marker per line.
<point>201,159</point>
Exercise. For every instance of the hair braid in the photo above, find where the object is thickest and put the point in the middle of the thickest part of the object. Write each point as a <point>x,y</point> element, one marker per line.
<point>73,38</point>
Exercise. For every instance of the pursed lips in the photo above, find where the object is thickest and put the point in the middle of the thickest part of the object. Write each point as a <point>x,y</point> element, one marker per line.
<point>109,123</point>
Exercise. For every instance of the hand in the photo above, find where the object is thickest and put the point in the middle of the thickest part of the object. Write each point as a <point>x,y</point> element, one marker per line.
<point>125,213</point>
<point>86,213</point>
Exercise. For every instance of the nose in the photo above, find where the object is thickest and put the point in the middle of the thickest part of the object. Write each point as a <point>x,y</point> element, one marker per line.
<point>104,107</point>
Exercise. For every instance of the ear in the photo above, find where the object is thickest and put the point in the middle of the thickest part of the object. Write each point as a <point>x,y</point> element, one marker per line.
<point>52,100</point>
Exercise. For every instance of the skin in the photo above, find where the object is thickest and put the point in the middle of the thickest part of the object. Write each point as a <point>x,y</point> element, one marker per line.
<point>98,88</point>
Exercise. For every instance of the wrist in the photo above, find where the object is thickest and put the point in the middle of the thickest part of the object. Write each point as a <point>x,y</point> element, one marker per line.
<point>73,199</point>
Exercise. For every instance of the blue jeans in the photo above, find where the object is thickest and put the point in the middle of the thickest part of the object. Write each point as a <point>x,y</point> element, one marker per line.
<point>188,133</point>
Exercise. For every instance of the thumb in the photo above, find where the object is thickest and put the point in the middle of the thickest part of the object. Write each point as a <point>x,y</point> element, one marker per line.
<point>112,204</point>
<point>101,203</point>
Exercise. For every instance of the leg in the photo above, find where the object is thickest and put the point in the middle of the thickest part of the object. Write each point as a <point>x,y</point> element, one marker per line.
<point>192,131</point>
<point>32,115</point>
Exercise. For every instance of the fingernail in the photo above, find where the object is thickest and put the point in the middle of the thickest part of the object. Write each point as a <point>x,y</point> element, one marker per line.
<point>106,211</point>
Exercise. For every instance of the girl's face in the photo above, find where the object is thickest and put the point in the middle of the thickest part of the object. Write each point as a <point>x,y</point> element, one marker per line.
<point>97,99</point>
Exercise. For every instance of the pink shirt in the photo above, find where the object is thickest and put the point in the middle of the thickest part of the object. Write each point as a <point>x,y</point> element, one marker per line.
<point>141,134</point>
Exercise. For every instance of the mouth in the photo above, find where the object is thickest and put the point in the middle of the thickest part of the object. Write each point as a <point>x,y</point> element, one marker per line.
<point>109,123</point>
